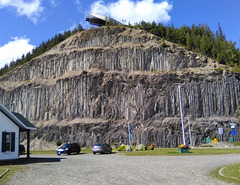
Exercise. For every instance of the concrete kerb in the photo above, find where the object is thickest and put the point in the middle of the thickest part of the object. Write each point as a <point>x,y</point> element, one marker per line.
<point>221,174</point>
<point>4,173</point>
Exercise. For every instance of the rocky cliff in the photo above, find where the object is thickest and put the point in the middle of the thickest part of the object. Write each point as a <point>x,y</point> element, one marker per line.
<point>90,86</point>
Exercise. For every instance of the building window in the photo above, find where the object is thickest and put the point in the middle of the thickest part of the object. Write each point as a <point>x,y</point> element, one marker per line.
<point>8,141</point>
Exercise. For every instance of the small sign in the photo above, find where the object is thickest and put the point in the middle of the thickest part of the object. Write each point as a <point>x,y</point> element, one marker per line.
<point>233,132</point>
<point>215,140</point>
<point>220,131</point>
<point>233,125</point>
<point>207,140</point>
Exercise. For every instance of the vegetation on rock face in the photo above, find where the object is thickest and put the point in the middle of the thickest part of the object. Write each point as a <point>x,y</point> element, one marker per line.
<point>44,47</point>
<point>198,38</point>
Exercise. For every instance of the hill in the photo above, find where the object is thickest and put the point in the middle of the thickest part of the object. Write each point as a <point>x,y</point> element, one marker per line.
<point>87,88</point>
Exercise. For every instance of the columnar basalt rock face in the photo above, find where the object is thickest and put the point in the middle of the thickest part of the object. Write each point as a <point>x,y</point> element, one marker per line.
<point>121,49</point>
<point>90,86</point>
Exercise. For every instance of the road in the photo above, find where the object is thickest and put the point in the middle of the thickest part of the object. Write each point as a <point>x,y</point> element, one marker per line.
<point>118,169</point>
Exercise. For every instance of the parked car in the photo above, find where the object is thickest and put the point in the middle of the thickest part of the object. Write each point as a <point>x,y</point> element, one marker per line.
<point>69,148</point>
<point>21,149</point>
<point>101,148</point>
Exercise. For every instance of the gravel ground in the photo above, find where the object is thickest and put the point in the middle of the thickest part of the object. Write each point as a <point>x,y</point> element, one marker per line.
<point>120,170</point>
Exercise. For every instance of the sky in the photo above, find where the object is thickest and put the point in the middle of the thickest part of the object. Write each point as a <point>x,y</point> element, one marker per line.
<point>25,24</point>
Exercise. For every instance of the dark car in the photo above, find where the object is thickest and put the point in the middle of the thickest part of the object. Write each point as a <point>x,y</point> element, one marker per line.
<point>69,148</point>
<point>102,148</point>
<point>21,149</point>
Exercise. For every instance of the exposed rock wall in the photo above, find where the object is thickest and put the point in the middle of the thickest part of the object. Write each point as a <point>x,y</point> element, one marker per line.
<point>90,86</point>
<point>118,98</point>
<point>125,96</point>
<point>107,49</point>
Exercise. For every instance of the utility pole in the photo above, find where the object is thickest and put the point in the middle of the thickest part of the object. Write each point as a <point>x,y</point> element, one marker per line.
<point>233,132</point>
<point>180,103</point>
<point>130,135</point>
<point>190,133</point>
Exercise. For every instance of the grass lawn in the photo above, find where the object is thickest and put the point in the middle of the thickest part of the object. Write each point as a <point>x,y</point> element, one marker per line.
<point>229,173</point>
<point>174,151</point>
<point>2,170</point>
<point>12,169</point>
<point>43,151</point>
<point>158,151</point>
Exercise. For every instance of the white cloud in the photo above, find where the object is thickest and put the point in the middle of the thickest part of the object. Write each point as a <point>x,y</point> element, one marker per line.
<point>31,9</point>
<point>14,50</point>
<point>134,12</point>
<point>77,2</point>
<point>79,6</point>
<point>53,3</point>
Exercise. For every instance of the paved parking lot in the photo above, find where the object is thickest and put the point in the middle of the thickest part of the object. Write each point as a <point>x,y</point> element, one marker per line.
<point>122,170</point>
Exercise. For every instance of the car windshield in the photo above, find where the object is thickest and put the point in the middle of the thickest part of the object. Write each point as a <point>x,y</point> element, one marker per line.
<point>66,146</point>
<point>99,145</point>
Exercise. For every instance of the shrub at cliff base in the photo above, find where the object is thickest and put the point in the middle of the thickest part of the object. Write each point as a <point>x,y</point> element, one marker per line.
<point>140,147</point>
<point>122,147</point>
<point>58,143</point>
<point>127,148</point>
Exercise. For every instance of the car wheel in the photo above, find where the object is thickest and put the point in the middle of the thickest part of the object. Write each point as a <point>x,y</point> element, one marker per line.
<point>94,153</point>
<point>69,152</point>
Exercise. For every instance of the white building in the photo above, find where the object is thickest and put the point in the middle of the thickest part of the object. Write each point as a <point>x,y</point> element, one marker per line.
<point>11,124</point>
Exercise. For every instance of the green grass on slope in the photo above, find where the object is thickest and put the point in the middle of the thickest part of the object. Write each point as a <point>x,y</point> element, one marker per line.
<point>229,173</point>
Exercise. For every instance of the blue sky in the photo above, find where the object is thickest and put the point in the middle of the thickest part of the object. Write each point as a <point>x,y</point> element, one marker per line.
<point>24,24</point>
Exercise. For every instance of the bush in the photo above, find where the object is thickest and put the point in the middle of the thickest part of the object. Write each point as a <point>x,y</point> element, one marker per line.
<point>135,149</point>
<point>140,147</point>
<point>237,143</point>
<point>150,147</point>
<point>58,143</point>
<point>84,72</point>
<point>127,148</point>
<point>218,69</point>
<point>122,147</point>
<point>164,44</point>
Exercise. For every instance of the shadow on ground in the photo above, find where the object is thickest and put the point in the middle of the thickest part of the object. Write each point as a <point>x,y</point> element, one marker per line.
<point>105,153</point>
<point>31,160</point>
<point>72,154</point>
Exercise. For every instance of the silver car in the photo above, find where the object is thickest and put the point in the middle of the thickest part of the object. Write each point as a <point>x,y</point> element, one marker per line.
<point>101,148</point>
